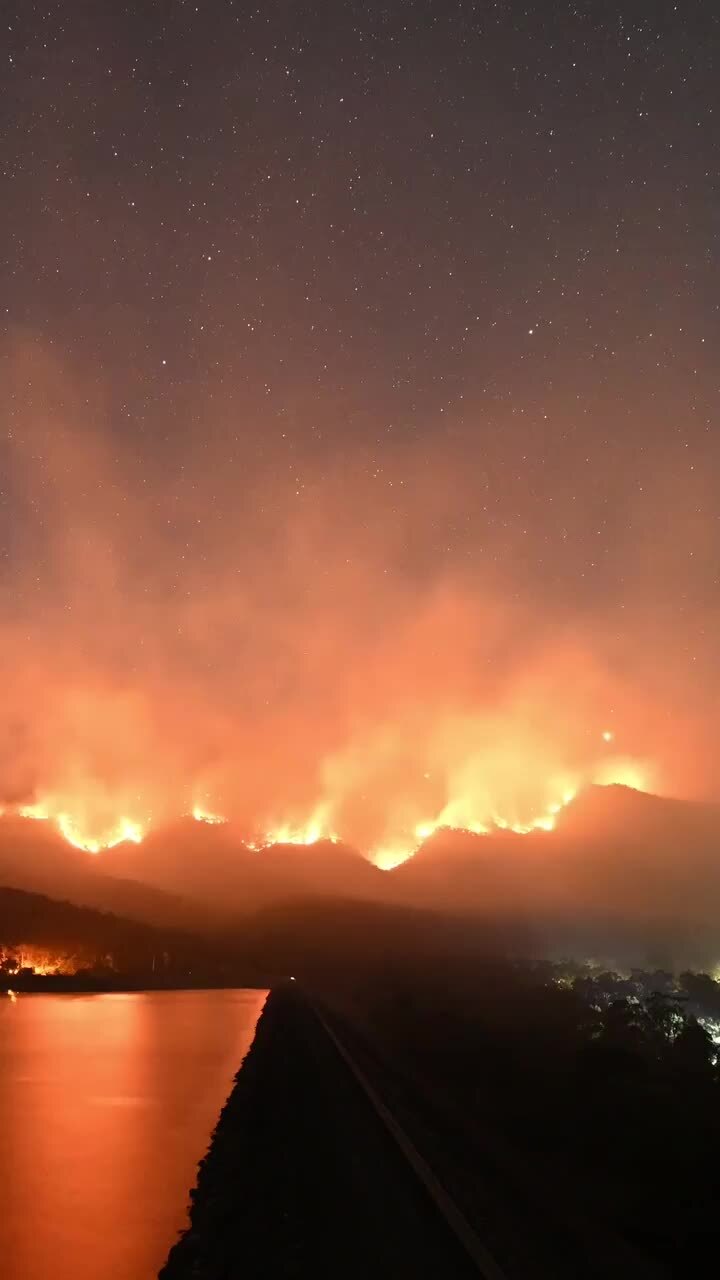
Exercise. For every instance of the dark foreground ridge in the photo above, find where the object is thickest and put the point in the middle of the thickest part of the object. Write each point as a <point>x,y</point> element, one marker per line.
<point>302,1179</point>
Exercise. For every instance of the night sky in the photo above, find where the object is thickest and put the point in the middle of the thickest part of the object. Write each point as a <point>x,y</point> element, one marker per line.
<point>359,394</point>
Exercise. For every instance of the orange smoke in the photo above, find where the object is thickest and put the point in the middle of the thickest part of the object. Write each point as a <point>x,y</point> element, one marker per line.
<point>317,647</point>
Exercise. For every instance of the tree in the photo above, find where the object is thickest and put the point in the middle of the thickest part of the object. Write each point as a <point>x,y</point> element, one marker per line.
<point>665,1017</point>
<point>693,1051</point>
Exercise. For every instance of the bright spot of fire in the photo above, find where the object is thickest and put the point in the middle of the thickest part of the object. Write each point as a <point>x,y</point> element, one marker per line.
<point>625,773</point>
<point>389,857</point>
<point>35,960</point>
<point>124,829</point>
<point>34,811</point>
<point>608,735</point>
<point>302,833</point>
<point>203,815</point>
<point>424,830</point>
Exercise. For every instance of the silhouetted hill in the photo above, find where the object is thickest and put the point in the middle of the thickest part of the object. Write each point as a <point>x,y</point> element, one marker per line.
<point>613,847</point>
<point>630,874</point>
<point>328,869</point>
<point>210,864</point>
<point>329,940</point>
<point>624,813</point>
<point>322,940</point>
<point>625,875</point>
<point>190,874</point>
<point>643,856</point>
<point>82,938</point>
<point>35,857</point>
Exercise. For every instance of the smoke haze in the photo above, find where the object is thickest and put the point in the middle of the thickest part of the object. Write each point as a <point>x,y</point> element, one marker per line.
<point>201,612</point>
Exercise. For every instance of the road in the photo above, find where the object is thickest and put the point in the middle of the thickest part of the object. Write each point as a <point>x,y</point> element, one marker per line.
<point>304,1180</point>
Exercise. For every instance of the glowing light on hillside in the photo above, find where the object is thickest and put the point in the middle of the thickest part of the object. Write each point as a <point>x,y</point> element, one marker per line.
<point>624,772</point>
<point>304,832</point>
<point>204,815</point>
<point>34,811</point>
<point>608,735</point>
<point>124,831</point>
<point>37,960</point>
<point>119,832</point>
<point>287,834</point>
<point>390,854</point>
<point>483,793</point>
<point>424,830</point>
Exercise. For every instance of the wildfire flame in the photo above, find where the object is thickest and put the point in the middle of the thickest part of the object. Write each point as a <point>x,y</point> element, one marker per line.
<point>468,806</point>
<point>124,831</point>
<point>625,773</point>
<point>36,959</point>
<point>204,815</point>
<point>390,855</point>
<point>118,832</point>
<point>302,833</point>
<point>460,813</point>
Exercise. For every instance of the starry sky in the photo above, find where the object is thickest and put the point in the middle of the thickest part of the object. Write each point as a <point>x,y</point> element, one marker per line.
<point>359,391</point>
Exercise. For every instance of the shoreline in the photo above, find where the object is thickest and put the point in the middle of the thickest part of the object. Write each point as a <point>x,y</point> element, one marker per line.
<point>59,984</point>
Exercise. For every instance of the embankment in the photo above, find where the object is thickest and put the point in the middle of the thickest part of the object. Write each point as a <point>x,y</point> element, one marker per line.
<point>301,1179</point>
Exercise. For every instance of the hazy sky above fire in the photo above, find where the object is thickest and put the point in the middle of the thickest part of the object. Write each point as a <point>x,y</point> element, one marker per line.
<point>359,403</point>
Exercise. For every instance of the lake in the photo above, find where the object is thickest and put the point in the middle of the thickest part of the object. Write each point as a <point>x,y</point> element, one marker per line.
<point>107,1103</point>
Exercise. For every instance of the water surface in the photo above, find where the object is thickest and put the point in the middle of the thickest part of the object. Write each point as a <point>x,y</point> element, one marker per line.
<point>106,1105</point>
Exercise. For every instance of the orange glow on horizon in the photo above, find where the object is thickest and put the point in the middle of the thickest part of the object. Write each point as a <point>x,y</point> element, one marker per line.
<point>624,772</point>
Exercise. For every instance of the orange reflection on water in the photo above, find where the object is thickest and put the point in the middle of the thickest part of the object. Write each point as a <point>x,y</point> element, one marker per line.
<point>106,1105</point>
